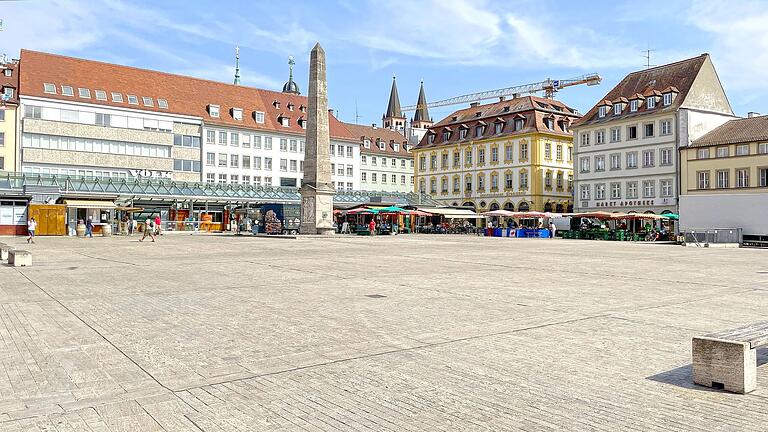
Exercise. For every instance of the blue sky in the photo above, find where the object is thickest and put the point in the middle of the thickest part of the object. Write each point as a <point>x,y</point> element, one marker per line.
<point>455,46</point>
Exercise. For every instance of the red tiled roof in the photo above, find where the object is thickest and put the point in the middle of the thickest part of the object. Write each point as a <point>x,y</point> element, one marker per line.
<point>374,134</point>
<point>533,109</point>
<point>677,77</point>
<point>185,95</point>
<point>745,130</point>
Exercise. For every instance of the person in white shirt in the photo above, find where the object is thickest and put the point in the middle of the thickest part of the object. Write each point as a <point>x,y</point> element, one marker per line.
<point>31,227</point>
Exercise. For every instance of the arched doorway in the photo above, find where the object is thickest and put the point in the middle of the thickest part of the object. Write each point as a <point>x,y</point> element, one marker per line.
<point>523,206</point>
<point>548,207</point>
<point>469,204</point>
<point>509,206</point>
<point>494,206</point>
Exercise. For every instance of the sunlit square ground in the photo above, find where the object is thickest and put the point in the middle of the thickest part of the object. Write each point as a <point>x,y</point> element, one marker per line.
<point>406,333</point>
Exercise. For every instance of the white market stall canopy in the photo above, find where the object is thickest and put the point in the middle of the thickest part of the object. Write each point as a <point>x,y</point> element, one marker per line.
<point>452,213</point>
<point>90,204</point>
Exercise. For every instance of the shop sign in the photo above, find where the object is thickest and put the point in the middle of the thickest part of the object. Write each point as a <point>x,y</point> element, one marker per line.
<point>637,202</point>
<point>150,174</point>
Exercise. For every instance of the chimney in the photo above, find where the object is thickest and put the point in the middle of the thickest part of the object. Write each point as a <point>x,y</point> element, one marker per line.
<point>502,98</point>
<point>330,111</point>
<point>753,114</point>
<point>373,125</point>
<point>474,104</point>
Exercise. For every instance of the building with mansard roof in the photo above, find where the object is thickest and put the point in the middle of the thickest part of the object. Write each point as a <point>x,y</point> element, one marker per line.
<point>386,161</point>
<point>513,154</point>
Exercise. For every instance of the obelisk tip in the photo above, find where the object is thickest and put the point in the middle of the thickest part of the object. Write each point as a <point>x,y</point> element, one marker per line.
<point>318,48</point>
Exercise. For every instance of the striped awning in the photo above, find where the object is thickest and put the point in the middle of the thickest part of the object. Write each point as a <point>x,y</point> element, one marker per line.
<point>90,204</point>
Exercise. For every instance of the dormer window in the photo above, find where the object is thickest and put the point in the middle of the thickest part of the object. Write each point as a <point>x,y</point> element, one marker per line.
<point>381,145</point>
<point>302,108</point>
<point>462,133</point>
<point>49,88</point>
<point>478,114</point>
<point>7,72</point>
<point>617,108</point>
<point>290,106</point>
<point>213,110</point>
<point>162,103</point>
<point>446,135</point>
<point>498,127</point>
<point>633,105</point>
<point>519,124</point>
<point>84,93</point>
<point>549,123</point>
<point>667,99</point>
<point>479,130</point>
<point>101,95</point>
<point>117,97</point>
<point>506,109</point>
<point>284,121</point>
<point>395,146</point>
<point>237,113</point>
<point>367,143</point>
<point>147,101</point>
<point>431,138</point>
<point>133,99</point>
<point>563,125</point>
<point>258,116</point>
<point>67,90</point>
<point>650,102</point>
<point>302,123</point>
<point>276,104</point>
<point>602,111</point>
<point>454,118</point>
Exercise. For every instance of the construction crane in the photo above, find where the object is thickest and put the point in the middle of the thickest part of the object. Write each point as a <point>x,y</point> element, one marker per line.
<point>549,87</point>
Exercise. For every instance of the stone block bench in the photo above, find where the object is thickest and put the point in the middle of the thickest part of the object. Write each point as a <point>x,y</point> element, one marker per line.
<point>4,249</point>
<point>728,359</point>
<point>19,258</point>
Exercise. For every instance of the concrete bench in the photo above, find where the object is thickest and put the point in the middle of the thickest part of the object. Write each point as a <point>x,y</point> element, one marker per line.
<point>19,258</point>
<point>728,359</point>
<point>4,249</point>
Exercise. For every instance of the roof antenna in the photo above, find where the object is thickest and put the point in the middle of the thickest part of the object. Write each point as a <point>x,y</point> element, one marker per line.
<point>647,56</point>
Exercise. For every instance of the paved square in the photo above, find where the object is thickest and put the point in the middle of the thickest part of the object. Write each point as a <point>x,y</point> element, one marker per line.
<point>407,333</point>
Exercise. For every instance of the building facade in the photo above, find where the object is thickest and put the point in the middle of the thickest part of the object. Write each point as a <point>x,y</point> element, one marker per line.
<point>626,155</point>
<point>514,154</point>
<point>9,103</point>
<point>724,178</point>
<point>386,162</point>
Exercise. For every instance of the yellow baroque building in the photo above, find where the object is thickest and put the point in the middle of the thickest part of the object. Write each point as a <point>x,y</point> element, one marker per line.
<point>514,154</point>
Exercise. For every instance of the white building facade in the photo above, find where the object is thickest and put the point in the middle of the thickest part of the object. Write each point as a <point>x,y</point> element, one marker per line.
<point>269,158</point>
<point>626,151</point>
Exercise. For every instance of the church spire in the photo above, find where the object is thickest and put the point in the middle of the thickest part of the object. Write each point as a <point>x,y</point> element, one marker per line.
<point>394,118</point>
<point>237,65</point>
<point>422,111</point>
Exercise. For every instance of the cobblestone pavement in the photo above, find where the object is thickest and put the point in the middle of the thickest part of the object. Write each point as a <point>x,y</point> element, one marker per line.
<point>406,333</point>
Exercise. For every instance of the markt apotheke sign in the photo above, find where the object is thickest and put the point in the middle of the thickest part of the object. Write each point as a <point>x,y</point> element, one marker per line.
<point>637,202</point>
<point>151,174</point>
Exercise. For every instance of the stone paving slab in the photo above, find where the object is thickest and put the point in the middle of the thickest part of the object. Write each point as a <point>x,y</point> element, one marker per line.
<point>405,333</point>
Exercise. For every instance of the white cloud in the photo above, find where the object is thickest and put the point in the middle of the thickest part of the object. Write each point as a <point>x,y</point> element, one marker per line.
<point>739,42</point>
<point>226,73</point>
<point>483,33</point>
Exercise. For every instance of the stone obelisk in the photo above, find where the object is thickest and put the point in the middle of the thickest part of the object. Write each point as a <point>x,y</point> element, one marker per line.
<point>316,189</point>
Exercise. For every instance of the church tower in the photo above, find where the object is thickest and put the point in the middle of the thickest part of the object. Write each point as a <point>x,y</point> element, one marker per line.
<point>394,118</point>
<point>421,118</point>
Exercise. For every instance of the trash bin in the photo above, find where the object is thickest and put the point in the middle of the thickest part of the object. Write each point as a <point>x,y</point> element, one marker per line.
<point>497,232</point>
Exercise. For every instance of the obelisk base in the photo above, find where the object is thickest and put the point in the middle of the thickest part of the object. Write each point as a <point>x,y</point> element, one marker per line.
<point>316,211</point>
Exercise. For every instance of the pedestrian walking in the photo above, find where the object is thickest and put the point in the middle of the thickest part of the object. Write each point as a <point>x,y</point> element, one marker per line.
<point>89,227</point>
<point>149,229</point>
<point>31,227</point>
<point>158,225</point>
<point>552,229</point>
<point>372,227</point>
